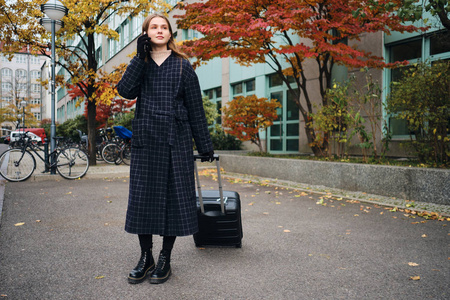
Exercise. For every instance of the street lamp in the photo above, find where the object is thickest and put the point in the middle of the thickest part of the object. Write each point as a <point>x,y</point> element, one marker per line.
<point>55,11</point>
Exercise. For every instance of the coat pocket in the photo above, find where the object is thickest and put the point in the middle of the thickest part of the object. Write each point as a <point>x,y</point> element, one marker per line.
<point>139,138</point>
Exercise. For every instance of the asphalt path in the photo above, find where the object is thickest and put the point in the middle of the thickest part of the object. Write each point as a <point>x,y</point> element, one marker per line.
<point>62,239</point>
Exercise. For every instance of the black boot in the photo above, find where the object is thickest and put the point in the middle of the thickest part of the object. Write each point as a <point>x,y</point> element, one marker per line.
<point>144,267</point>
<point>162,271</point>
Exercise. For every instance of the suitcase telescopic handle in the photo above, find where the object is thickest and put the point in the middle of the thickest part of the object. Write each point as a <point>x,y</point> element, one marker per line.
<point>219,179</point>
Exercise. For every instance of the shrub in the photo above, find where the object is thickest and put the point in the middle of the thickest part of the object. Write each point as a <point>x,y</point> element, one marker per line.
<point>421,98</point>
<point>224,141</point>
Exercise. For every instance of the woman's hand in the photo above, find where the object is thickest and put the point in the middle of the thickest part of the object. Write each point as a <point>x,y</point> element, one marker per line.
<point>143,46</point>
<point>209,156</point>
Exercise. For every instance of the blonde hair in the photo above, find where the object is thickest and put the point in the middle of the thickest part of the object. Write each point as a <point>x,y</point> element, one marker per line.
<point>171,43</point>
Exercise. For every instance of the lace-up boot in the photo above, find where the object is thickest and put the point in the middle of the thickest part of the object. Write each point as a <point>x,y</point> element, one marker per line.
<point>162,271</point>
<point>144,267</point>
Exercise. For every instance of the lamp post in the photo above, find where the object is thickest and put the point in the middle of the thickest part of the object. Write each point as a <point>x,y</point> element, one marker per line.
<point>55,11</point>
<point>23,103</point>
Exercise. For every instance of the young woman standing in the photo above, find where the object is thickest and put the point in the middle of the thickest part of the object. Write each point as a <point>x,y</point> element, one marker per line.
<point>169,114</point>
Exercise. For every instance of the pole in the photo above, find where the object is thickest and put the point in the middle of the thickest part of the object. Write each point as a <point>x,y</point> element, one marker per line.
<point>53,104</point>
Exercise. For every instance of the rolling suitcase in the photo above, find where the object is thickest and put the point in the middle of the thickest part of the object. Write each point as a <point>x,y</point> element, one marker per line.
<point>219,214</point>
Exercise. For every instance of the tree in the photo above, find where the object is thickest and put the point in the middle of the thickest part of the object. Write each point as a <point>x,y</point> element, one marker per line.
<point>421,98</point>
<point>210,111</point>
<point>17,92</point>
<point>267,31</point>
<point>19,26</point>
<point>244,117</point>
<point>104,111</point>
<point>413,10</point>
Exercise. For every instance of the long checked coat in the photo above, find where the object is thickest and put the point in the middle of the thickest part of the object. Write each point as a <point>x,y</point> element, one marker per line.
<point>169,113</point>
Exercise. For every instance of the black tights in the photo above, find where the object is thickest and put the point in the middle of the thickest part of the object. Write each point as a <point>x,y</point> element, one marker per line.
<point>146,242</point>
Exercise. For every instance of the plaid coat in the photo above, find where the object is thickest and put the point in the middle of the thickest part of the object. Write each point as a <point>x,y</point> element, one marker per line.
<point>168,115</point>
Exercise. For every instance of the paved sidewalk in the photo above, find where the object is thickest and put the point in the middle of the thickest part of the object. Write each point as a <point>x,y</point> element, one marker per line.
<point>64,239</point>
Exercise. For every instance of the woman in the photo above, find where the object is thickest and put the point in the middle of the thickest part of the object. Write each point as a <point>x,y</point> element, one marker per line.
<point>169,113</point>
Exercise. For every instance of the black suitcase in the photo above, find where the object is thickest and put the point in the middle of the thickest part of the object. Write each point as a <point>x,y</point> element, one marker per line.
<point>219,215</point>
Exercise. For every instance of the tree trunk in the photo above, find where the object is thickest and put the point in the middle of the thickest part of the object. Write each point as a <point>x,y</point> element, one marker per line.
<point>92,132</point>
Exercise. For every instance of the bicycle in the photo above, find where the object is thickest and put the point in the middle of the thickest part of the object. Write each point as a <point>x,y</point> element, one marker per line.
<point>19,164</point>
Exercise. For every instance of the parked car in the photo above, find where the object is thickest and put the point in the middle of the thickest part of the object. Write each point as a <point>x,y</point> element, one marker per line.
<point>15,136</point>
<point>6,139</point>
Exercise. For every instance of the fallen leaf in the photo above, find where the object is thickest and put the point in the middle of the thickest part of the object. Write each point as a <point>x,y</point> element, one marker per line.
<point>414,277</point>
<point>19,224</point>
<point>99,277</point>
<point>412,264</point>
<point>277,202</point>
<point>68,193</point>
<point>251,203</point>
<point>356,215</point>
<point>38,221</point>
<point>265,213</point>
<point>424,235</point>
<point>286,230</point>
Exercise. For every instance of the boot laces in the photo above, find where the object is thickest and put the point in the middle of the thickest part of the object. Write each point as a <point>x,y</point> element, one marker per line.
<point>161,262</point>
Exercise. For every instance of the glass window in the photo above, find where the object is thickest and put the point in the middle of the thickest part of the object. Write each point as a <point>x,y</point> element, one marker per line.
<point>35,74</point>
<point>292,109</point>
<point>407,51</point>
<point>35,88</point>
<point>21,86</point>
<point>21,58</point>
<point>275,130</point>
<point>439,43</point>
<point>126,32</point>
<point>250,86</point>
<point>275,80</point>
<point>21,73</point>
<point>219,92</point>
<point>292,129</point>
<point>292,145</point>
<point>35,60</point>
<point>209,94</point>
<point>279,97</point>
<point>6,86</point>
<point>398,126</point>
<point>276,145</point>
<point>6,72</point>
<point>237,89</point>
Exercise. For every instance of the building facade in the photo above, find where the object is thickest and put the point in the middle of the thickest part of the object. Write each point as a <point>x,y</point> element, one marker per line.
<point>20,85</point>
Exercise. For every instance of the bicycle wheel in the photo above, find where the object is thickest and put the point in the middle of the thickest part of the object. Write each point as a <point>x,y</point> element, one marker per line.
<point>17,165</point>
<point>72,163</point>
<point>126,154</point>
<point>111,153</point>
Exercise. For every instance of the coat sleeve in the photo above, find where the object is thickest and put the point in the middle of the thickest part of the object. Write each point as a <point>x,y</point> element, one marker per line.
<point>196,114</point>
<point>129,86</point>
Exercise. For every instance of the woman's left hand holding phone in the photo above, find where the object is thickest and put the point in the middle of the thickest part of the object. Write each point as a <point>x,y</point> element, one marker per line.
<point>143,46</point>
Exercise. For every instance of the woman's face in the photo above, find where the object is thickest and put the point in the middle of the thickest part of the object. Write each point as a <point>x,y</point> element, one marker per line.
<point>158,31</point>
